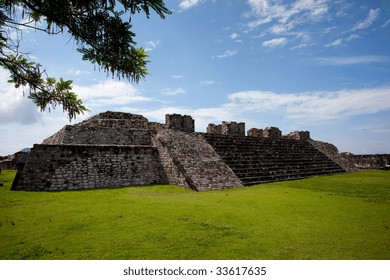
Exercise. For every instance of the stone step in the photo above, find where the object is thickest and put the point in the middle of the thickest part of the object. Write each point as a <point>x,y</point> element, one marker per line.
<point>257,160</point>
<point>273,178</point>
<point>306,172</point>
<point>288,158</point>
<point>274,162</point>
<point>284,168</point>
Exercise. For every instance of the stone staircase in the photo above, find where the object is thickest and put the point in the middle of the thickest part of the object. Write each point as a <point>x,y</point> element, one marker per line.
<point>256,160</point>
<point>189,161</point>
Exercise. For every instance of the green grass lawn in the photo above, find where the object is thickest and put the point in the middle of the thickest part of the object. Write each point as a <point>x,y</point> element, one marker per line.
<point>332,217</point>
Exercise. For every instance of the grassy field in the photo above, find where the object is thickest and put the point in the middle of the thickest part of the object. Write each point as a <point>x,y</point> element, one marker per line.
<point>333,217</point>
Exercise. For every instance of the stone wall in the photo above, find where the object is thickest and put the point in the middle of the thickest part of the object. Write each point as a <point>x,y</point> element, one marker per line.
<point>255,132</point>
<point>126,123</point>
<point>69,167</point>
<point>272,132</point>
<point>100,136</point>
<point>268,132</point>
<point>351,162</point>
<point>119,115</point>
<point>190,161</point>
<point>179,122</point>
<point>227,128</point>
<point>233,128</point>
<point>115,149</point>
<point>332,152</point>
<point>15,161</point>
<point>7,164</point>
<point>375,161</point>
<point>116,120</point>
<point>299,135</point>
<point>214,128</point>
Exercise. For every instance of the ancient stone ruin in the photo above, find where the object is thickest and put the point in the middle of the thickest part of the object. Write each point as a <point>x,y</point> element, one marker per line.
<point>115,149</point>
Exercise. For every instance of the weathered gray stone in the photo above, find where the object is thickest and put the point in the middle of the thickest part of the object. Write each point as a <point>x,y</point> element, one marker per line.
<point>233,128</point>
<point>299,135</point>
<point>116,149</point>
<point>96,171</point>
<point>179,122</point>
<point>272,132</point>
<point>255,132</point>
<point>214,129</point>
<point>190,161</point>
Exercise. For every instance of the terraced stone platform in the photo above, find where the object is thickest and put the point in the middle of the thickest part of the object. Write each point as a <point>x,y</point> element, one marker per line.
<point>115,149</point>
<point>256,160</point>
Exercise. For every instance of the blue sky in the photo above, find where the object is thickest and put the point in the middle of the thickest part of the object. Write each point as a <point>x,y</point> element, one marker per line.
<point>316,65</point>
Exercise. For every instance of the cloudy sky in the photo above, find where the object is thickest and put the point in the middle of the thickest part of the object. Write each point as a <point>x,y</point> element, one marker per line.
<point>317,65</point>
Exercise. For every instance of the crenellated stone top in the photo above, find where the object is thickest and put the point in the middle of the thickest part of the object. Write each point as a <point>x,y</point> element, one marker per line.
<point>178,122</point>
<point>121,128</point>
<point>117,128</point>
<point>227,128</point>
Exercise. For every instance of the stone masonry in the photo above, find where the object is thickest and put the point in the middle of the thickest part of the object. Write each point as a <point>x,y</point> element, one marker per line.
<point>233,128</point>
<point>299,135</point>
<point>189,160</point>
<point>214,128</point>
<point>179,122</point>
<point>375,161</point>
<point>70,167</point>
<point>256,132</point>
<point>115,149</point>
<point>227,128</point>
<point>272,132</point>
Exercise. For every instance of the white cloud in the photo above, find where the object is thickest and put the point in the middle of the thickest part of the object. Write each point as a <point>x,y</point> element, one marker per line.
<point>116,101</point>
<point>14,107</point>
<point>279,29</point>
<point>329,29</point>
<point>342,41</point>
<point>77,72</point>
<point>315,106</point>
<point>284,18</point>
<point>187,4</point>
<point>352,37</point>
<point>174,76</point>
<point>274,42</point>
<point>234,36</point>
<point>377,127</point>
<point>151,45</point>
<point>176,91</point>
<point>17,109</point>
<point>22,136</point>
<point>307,108</point>
<point>387,23</point>
<point>371,17</point>
<point>107,88</point>
<point>227,53</point>
<point>300,46</point>
<point>207,82</point>
<point>335,43</point>
<point>109,93</point>
<point>259,22</point>
<point>286,15</point>
<point>350,60</point>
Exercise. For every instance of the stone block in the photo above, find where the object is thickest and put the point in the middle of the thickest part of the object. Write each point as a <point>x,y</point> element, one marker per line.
<point>255,132</point>
<point>233,128</point>
<point>178,122</point>
<point>272,132</point>
<point>299,135</point>
<point>214,129</point>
